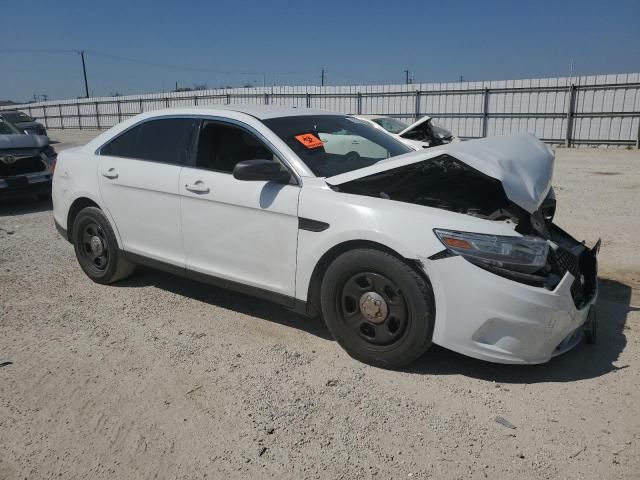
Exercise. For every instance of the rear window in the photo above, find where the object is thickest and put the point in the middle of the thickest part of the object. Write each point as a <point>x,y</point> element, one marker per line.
<point>17,117</point>
<point>334,144</point>
<point>166,140</point>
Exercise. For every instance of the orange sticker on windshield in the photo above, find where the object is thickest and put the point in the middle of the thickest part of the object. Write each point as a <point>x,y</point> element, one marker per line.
<point>309,140</point>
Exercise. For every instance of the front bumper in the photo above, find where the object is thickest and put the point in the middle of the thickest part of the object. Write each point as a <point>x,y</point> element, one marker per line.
<point>29,184</point>
<point>486,316</point>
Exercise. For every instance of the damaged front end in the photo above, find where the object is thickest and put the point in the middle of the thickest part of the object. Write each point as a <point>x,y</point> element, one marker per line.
<point>542,256</point>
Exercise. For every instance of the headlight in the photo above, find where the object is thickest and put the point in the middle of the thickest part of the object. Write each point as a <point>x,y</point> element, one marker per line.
<point>521,254</point>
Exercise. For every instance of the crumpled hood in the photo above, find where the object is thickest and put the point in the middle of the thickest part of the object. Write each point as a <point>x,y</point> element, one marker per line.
<point>414,125</point>
<point>522,163</point>
<point>23,141</point>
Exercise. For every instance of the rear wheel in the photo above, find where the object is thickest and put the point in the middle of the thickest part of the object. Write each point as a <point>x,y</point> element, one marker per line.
<point>378,308</point>
<point>97,249</point>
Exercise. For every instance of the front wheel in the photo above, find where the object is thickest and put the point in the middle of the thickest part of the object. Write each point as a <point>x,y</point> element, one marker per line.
<point>97,249</point>
<point>378,308</point>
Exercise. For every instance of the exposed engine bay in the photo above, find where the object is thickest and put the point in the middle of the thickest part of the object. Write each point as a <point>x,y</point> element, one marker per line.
<point>441,182</point>
<point>446,183</point>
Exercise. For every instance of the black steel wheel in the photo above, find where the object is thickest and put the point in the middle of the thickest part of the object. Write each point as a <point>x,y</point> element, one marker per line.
<point>378,307</point>
<point>96,247</point>
<point>374,308</point>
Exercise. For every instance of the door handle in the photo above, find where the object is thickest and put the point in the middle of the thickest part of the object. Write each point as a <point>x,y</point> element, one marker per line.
<point>111,173</point>
<point>197,187</point>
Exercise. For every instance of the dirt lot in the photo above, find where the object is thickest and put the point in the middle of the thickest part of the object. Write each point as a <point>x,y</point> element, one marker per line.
<point>161,377</point>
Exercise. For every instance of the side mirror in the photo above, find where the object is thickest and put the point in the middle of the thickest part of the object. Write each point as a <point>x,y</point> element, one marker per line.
<point>261,170</point>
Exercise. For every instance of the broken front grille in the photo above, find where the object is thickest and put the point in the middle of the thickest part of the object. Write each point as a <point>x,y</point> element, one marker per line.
<point>21,166</point>
<point>582,268</point>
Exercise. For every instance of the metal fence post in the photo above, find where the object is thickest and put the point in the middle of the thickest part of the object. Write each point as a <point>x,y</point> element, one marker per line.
<point>416,107</point>
<point>79,116</point>
<point>166,102</point>
<point>44,112</point>
<point>228,99</point>
<point>308,100</point>
<point>97,116</point>
<point>61,118</point>
<point>570,109</point>
<point>359,104</point>
<point>140,106</point>
<point>29,108</point>
<point>485,112</point>
<point>195,100</point>
<point>119,111</point>
<point>266,98</point>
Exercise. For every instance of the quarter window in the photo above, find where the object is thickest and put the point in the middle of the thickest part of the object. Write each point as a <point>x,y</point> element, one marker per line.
<point>166,140</point>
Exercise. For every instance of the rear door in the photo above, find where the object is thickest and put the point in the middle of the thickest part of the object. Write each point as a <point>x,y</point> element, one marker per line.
<point>139,174</point>
<point>238,231</point>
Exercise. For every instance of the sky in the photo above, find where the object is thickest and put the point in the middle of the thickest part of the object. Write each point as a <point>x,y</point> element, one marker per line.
<point>148,46</point>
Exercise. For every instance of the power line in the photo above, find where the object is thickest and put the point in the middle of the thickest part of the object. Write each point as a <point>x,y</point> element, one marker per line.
<point>188,67</point>
<point>151,64</point>
<point>37,50</point>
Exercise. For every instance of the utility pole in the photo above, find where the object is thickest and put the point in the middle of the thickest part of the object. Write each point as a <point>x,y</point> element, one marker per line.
<point>571,70</point>
<point>84,70</point>
<point>322,77</point>
<point>406,76</point>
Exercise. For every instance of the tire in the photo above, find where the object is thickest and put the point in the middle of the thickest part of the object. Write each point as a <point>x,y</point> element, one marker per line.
<point>389,334</point>
<point>97,249</point>
<point>590,329</point>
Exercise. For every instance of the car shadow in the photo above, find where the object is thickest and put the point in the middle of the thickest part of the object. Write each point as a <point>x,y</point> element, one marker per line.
<point>227,299</point>
<point>24,204</point>
<point>583,362</point>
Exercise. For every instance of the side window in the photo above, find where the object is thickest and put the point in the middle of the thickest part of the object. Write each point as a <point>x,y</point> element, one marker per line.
<point>221,146</point>
<point>167,140</point>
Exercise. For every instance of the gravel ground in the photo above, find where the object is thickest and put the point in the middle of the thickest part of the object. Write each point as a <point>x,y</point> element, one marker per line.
<point>162,377</point>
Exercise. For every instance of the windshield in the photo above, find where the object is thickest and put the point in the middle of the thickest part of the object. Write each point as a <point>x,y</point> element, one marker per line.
<point>390,124</point>
<point>8,129</point>
<point>17,117</point>
<point>334,144</point>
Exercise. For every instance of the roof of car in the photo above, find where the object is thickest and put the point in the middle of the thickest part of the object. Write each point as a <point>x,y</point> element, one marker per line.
<point>261,112</point>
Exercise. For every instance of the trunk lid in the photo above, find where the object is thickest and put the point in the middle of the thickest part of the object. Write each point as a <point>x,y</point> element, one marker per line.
<point>522,163</point>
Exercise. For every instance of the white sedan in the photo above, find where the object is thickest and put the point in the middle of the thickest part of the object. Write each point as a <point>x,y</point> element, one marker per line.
<point>398,249</point>
<point>423,133</point>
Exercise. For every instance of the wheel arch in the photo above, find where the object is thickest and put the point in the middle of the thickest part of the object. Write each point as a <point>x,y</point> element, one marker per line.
<point>83,202</point>
<point>320,268</point>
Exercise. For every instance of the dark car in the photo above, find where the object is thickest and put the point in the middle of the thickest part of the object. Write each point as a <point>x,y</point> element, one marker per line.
<point>26,162</point>
<point>23,122</point>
